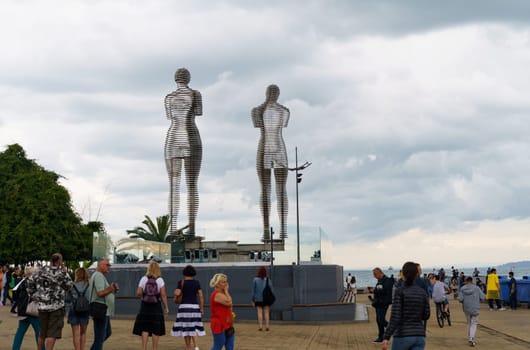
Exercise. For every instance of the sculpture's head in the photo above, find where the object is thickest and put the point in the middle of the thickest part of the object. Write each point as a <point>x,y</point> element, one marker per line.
<point>273,92</point>
<point>182,76</point>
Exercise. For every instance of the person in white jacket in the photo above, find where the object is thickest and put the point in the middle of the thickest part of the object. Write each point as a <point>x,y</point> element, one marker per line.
<point>470,296</point>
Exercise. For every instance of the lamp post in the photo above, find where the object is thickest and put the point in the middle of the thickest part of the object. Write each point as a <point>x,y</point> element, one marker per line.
<point>272,250</point>
<point>296,169</point>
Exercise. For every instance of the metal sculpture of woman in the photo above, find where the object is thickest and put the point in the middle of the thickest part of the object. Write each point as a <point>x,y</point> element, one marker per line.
<point>270,117</point>
<point>183,147</point>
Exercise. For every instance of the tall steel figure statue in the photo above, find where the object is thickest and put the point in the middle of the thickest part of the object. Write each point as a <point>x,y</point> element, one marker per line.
<point>270,117</point>
<point>183,147</point>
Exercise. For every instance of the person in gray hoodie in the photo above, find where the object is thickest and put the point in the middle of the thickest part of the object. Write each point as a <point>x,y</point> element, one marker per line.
<point>470,296</point>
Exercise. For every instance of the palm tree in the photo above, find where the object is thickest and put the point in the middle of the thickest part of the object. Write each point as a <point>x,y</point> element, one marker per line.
<point>158,232</point>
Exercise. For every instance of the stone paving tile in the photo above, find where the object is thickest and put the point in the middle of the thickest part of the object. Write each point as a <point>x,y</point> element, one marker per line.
<point>498,330</point>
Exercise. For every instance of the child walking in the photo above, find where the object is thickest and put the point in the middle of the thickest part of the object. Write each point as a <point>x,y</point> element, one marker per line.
<point>470,296</point>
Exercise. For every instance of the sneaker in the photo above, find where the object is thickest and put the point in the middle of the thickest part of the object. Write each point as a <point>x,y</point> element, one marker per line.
<point>472,343</point>
<point>377,341</point>
<point>196,348</point>
<point>502,309</point>
<point>491,309</point>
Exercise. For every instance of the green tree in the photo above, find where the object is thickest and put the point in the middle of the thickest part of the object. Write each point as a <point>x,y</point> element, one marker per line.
<point>36,214</point>
<point>157,233</point>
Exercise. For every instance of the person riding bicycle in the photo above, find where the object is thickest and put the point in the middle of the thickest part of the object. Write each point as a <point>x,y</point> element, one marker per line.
<point>439,291</point>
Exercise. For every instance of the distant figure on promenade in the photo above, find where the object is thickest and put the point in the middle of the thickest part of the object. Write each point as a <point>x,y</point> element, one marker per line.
<point>470,296</point>
<point>348,281</point>
<point>25,320</point>
<point>271,117</point>
<point>353,284</point>
<point>476,272</point>
<point>222,316</point>
<point>410,311</point>
<point>16,277</point>
<point>78,320</point>
<point>183,147</point>
<point>513,291</point>
<point>6,282</point>
<point>188,323</point>
<point>381,301</point>
<point>103,292</point>
<point>481,285</point>
<point>152,293</point>
<point>262,308</point>
<point>493,290</point>
<point>420,281</point>
<point>441,274</point>
<point>439,291</point>
<point>48,287</point>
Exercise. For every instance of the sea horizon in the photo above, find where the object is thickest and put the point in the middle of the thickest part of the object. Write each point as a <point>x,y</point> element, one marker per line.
<point>364,277</point>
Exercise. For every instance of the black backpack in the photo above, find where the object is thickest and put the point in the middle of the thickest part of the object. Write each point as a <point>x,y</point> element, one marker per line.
<point>81,303</point>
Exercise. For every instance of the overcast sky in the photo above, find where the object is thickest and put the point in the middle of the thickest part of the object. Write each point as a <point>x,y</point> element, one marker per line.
<point>414,114</point>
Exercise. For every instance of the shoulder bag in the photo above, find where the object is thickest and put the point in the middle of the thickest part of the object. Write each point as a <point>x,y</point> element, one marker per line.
<point>97,310</point>
<point>178,298</point>
<point>268,295</point>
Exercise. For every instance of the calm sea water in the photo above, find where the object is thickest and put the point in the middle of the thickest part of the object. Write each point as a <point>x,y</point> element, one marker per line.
<point>366,279</point>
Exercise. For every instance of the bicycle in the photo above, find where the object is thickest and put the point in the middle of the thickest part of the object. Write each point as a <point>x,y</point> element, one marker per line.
<point>441,315</point>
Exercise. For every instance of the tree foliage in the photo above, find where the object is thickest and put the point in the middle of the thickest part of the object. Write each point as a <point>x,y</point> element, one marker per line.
<point>155,232</point>
<point>36,214</point>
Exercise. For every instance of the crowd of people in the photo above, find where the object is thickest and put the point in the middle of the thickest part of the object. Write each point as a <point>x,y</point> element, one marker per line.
<point>43,297</point>
<point>409,296</point>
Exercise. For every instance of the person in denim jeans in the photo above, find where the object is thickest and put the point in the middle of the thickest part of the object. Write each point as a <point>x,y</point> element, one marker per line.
<point>102,291</point>
<point>410,312</point>
<point>25,320</point>
<point>222,316</point>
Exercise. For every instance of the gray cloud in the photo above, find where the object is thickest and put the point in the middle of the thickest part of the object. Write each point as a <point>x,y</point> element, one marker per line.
<point>413,114</point>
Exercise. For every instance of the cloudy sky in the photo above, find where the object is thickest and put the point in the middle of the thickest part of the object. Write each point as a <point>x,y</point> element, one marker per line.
<point>414,114</point>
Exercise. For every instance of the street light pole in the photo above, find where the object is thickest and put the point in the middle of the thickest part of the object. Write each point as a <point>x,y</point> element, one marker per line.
<point>298,180</point>
<point>272,250</point>
<point>297,210</point>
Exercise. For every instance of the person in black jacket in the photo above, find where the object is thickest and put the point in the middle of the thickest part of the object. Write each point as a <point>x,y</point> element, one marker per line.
<point>381,301</point>
<point>410,311</point>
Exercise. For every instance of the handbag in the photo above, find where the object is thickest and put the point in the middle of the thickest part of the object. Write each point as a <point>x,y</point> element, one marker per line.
<point>268,295</point>
<point>178,298</point>
<point>230,331</point>
<point>97,310</point>
<point>32,309</point>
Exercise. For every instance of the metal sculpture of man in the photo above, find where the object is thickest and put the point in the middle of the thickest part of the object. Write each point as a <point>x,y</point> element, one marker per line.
<point>183,147</point>
<point>270,117</point>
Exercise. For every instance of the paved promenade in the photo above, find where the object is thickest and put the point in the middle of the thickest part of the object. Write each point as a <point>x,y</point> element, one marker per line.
<point>498,330</point>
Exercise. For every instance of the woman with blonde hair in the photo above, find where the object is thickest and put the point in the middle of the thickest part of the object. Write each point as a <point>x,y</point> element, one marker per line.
<point>25,320</point>
<point>78,320</point>
<point>221,313</point>
<point>150,320</point>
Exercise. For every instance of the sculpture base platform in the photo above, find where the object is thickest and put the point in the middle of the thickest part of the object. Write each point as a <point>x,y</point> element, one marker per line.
<point>304,293</point>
